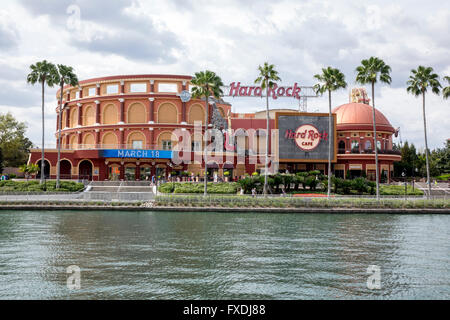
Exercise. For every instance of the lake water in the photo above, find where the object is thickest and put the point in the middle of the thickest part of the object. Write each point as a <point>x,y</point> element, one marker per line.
<point>174,255</point>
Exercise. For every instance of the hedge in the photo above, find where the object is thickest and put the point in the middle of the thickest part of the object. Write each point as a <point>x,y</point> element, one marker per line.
<point>189,187</point>
<point>33,186</point>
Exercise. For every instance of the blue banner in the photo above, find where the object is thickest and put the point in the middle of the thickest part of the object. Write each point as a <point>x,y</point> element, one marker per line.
<point>136,153</point>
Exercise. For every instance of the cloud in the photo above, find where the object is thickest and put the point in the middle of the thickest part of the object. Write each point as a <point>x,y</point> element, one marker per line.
<point>232,39</point>
<point>109,27</point>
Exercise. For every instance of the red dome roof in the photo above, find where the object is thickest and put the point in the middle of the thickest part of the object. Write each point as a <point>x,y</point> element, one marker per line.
<point>359,116</point>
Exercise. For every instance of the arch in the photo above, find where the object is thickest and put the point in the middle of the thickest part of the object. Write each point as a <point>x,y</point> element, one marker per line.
<point>89,141</point>
<point>136,136</point>
<point>165,136</point>
<point>196,113</point>
<point>65,169</point>
<point>136,113</point>
<point>73,142</point>
<point>109,140</point>
<point>167,113</point>
<point>197,142</point>
<point>64,119</point>
<point>73,120</point>
<point>46,168</point>
<point>89,116</point>
<point>85,168</point>
<point>222,112</point>
<point>110,114</point>
<point>63,142</point>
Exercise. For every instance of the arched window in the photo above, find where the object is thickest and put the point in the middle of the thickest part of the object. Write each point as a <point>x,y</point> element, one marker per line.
<point>136,113</point>
<point>167,113</point>
<point>196,113</point>
<point>110,114</point>
<point>136,140</point>
<point>73,144</point>
<point>73,118</point>
<point>109,140</point>
<point>165,141</point>
<point>89,116</point>
<point>355,146</point>
<point>341,147</point>
<point>89,141</point>
<point>368,145</point>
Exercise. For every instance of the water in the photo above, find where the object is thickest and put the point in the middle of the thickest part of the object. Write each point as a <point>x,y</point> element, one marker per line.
<point>170,255</point>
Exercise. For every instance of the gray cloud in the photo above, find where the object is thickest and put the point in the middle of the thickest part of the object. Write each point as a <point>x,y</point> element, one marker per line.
<point>150,47</point>
<point>9,37</point>
<point>133,36</point>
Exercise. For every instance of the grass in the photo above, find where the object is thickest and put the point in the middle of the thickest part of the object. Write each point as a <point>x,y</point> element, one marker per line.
<point>34,186</point>
<point>443,177</point>
<point>392,190</point>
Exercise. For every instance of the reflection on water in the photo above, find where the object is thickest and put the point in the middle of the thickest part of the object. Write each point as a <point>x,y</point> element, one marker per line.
<point>161,255</point>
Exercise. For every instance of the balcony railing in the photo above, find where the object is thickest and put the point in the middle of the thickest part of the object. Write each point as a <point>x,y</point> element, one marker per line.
<point>370,151</point>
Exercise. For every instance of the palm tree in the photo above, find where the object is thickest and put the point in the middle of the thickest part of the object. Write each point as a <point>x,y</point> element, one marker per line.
<point>65,76</point>
<point>368,72</point>
<point>419,81</point>
<point>45,73</point>
<point>206,84</point>
<point>446,90</point>
<point>267,78</point>
<point>330,80</point>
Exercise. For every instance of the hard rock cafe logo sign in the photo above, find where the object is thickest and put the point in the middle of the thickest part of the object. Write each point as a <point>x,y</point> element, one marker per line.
<point>307,137</point>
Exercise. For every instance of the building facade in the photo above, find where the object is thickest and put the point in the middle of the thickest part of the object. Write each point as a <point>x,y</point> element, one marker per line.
<point>123,128</point>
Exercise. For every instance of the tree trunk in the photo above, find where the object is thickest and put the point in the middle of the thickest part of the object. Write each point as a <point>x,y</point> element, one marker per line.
<point>58,164</point>
<point>205,191</point>
<point>377,178</point>
<point>330,137</point>
<point>426,146</point>
<point>43,130</point>
<point>266,161</point>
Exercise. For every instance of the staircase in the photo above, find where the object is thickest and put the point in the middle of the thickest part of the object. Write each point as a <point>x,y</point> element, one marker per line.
<point>119,191</point>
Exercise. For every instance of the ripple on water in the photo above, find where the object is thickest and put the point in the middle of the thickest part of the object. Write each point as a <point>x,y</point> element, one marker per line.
<point>163,255</point>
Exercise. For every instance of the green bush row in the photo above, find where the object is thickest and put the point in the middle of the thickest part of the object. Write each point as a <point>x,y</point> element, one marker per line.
<point>71,203</point>
<point>281,202</point>
<point>189,187</point>
<point>34,185</point>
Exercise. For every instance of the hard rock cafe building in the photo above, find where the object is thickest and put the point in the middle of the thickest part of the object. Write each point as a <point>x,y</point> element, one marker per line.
<point>122,128</point>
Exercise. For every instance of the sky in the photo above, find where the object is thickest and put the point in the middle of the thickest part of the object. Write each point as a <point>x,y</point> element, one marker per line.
<point>231,38</point>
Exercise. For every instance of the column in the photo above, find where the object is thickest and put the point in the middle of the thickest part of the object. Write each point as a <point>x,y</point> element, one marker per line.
<point>80,114</point>
<point>151,111</point>
<point>81,93</point>
<point>121,111</point>
<point>183,106</point>
<point>122,87</point>
<point>68,96</point>
<point>122,171</point>
<point>67,109</point>
<point>152,86</point>
<point>80,141</point>
<point>57,121</point>
<point>67,141</point>
<point>122,139</point>
<point>97,138</point>
<point>97,113</point>
<point>137,172</point>
<point>98,89</point>
<point>151,143</point>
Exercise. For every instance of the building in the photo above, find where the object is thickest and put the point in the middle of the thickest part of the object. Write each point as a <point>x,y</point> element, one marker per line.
<point>131,127</point>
